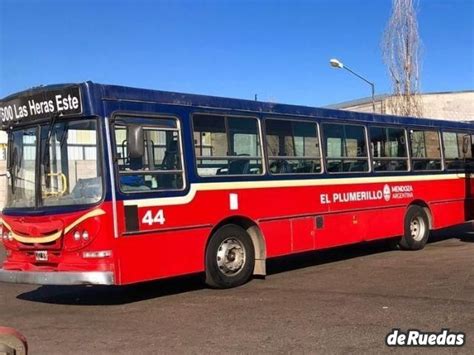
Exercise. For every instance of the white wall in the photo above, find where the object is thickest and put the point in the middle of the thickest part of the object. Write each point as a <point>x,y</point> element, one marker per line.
<point>458,106</point>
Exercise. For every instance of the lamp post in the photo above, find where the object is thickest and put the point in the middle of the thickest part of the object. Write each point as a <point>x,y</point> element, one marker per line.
<point>337,64</point>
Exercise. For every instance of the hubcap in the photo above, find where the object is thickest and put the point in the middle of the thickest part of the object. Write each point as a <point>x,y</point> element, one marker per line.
<point>230,257</point>
<point>417,228</point>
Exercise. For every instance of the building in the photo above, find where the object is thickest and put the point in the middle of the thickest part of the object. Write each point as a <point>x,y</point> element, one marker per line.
<point>452,105</point>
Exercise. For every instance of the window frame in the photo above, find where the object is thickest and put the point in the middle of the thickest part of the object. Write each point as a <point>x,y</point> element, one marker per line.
<point>293,119</point>
<point>367,147</point>
<point>146,115</point>
<point>407,146</point>
<point>467,133</point>
<point>223,115</point>
<point>440,145</point>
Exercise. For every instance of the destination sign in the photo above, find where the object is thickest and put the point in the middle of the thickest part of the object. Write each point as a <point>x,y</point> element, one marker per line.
<point>65,101</point>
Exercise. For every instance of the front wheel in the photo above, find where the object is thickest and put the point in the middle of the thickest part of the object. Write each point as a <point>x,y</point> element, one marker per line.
<point>230,257</point>
<point>416,228</point>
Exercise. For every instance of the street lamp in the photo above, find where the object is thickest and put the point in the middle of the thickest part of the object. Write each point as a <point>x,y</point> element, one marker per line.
<point>338,65</point>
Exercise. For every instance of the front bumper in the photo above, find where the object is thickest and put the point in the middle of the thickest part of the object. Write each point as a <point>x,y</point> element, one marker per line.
<point>58,278</point>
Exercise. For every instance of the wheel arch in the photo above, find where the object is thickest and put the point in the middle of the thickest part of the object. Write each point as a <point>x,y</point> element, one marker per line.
<point>256,235</point>
<point>426,208</point>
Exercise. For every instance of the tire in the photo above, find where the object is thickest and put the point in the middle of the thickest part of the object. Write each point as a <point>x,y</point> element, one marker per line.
<point>417,229</point>
<point>393,243</point>
<point>230,257</point>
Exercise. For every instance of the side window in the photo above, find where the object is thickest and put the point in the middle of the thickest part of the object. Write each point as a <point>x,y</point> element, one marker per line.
<point>292,147</point>
<point>472,151</point>
<point>389,149</point>
<point>227,145</point>
<point>457,149</point>
<point>346,148</point>
<point>470,164</point>
<point>160,167</point>
<point>425,150</point>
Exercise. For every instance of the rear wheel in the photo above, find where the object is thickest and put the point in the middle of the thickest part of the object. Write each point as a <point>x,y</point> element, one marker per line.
<point>417,229</point>
<point>230,257</point>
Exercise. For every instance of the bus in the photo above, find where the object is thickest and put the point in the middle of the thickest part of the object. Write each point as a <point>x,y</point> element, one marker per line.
<point>111,185</point>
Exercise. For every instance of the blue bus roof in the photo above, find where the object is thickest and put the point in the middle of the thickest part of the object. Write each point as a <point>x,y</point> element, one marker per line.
<point>94,93</point>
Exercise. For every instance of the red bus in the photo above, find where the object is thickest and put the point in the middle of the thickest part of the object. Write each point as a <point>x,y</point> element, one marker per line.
<point>114,185</point>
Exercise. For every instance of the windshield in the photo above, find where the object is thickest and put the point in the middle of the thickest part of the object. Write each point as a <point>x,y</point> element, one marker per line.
<point>68,165</point>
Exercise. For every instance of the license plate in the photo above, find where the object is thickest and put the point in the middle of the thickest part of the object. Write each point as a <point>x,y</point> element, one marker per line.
<point>41,255</point>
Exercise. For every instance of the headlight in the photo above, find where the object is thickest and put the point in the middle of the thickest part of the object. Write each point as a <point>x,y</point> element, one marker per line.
<point>82,235</point>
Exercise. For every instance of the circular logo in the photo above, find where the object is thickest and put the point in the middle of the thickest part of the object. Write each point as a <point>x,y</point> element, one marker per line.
<point>386,193</point>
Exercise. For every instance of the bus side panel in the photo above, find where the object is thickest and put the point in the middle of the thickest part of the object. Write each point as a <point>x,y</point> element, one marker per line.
<point>354,227</point>
<point>158,255</point>
<point>302,234</point>
<point>447,214</point>
<point>277,237</point>
<point>384,223</point>
<point>339,229</point>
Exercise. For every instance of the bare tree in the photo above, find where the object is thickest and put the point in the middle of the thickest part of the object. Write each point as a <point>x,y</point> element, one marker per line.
<point>401,52</point>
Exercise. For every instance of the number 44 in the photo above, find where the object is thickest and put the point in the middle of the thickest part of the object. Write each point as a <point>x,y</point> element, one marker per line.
<point>150,220</point>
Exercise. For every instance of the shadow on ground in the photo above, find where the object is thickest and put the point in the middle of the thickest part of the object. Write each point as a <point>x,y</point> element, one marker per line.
<point>118,295</point>
<point>113,295</point>
<point>463,232</point>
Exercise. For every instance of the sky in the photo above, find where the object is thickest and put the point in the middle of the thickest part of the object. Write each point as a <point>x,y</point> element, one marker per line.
<point>279,50</point>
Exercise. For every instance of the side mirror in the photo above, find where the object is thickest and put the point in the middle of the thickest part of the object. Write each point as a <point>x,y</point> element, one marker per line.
<point>135,141</point>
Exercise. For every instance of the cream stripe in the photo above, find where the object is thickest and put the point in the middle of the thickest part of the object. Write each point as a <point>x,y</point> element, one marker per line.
<point>93,213</point>
<point>28,240</point>
<point>240,185</point>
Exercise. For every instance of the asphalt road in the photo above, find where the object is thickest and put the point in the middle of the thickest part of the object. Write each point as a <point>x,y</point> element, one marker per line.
<point>344,300</point>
